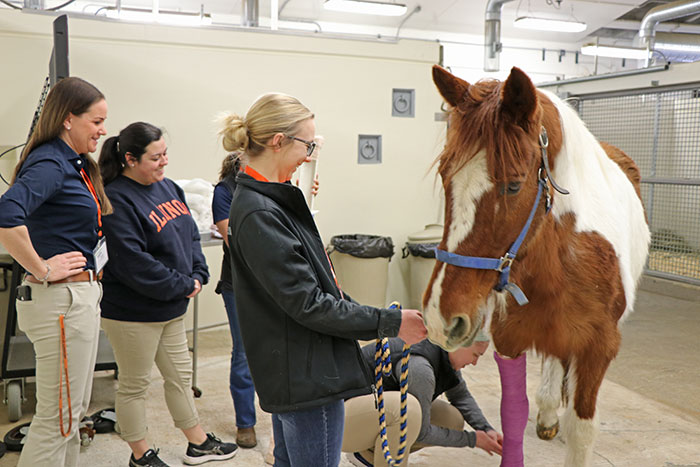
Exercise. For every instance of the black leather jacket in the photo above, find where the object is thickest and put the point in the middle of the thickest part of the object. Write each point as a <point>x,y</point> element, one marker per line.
<point>299,334</point>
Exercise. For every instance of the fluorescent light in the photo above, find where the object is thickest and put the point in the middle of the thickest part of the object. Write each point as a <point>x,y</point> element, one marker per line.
<point>365,7</point>
<point>614,51</point>
<point>545,24</point>
<point>164,17</point>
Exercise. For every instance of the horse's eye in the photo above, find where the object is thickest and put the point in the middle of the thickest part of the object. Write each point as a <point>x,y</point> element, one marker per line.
<point>510,188</point>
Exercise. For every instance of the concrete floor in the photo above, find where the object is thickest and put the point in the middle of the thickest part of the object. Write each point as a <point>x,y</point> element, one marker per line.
<point>649,405</point>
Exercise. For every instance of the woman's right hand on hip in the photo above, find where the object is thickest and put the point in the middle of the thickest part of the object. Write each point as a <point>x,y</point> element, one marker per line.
<point>63,265</point>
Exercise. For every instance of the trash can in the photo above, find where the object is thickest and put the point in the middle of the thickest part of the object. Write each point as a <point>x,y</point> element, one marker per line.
<point>361,264</point>
<point>421,260</point>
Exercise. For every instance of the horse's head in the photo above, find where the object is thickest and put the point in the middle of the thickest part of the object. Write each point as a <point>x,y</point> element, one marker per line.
<point>489,170</point>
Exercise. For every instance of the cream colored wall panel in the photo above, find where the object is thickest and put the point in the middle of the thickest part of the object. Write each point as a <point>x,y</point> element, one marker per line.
<point>181,78</point>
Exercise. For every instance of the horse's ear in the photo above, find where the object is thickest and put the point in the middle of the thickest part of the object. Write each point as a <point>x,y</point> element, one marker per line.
<point>519,98</point>
<point>451,88</point>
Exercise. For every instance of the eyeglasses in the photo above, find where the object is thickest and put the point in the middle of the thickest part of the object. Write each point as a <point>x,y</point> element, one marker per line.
<point>310,145</point>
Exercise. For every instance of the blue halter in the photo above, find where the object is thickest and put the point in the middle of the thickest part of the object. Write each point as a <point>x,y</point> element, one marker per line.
<point>504,263</point>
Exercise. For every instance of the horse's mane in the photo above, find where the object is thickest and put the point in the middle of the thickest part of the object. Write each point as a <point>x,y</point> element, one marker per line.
<point>479,124</point>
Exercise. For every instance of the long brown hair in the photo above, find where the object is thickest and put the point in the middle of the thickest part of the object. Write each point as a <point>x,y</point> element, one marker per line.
<point>69,96</point>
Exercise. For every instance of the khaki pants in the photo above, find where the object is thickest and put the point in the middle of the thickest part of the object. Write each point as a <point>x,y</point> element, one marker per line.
<point>445,415</point>
<point>362,425</point>
<point>136,346</point>
<point>39,319</point>
<point>361,433</point>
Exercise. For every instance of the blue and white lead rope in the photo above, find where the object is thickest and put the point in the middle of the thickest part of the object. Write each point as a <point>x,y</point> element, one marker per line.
<point>382,361</point>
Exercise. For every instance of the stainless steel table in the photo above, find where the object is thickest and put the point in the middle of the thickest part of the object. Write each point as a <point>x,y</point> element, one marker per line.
<point>207,240</point>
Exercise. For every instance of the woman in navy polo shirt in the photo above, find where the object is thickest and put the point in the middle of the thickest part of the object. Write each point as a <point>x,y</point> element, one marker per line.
<point>50,222</point>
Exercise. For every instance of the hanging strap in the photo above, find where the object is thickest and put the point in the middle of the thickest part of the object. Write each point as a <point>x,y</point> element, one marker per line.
<point>64,369</point>
<point>92,191</point>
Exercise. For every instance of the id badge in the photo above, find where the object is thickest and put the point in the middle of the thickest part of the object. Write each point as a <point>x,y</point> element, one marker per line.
<point>100,255</point>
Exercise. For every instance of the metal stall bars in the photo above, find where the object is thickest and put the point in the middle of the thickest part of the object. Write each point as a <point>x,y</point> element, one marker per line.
<point>659,128</point>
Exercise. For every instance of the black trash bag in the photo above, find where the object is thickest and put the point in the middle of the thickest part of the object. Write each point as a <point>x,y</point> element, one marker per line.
<point>363,246</point>
<point>424,250</point>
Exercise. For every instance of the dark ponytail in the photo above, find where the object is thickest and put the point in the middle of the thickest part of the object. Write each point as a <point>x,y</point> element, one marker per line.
<point>110,162</point>
<point>133,140</point>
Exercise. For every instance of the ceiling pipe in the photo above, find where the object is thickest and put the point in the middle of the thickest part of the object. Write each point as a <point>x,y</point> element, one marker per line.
<point>492,35</point>
<point>251,13</point>
<point>647,28</point>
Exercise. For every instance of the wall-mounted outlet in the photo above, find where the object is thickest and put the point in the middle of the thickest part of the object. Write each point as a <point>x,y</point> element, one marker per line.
<point>403,102</point>
<point>369,149</point>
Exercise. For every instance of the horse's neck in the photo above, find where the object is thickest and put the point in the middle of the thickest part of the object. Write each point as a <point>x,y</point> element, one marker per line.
<point>543,261</point>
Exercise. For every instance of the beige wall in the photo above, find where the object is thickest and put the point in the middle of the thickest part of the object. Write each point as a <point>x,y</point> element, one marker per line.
<point>180,78</point>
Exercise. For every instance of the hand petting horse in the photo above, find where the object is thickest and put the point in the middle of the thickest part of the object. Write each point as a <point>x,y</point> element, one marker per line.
<point>545,239</point>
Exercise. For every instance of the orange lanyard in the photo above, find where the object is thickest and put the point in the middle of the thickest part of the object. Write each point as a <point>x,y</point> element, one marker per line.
<point>64,369</point>
<point>92,191</point>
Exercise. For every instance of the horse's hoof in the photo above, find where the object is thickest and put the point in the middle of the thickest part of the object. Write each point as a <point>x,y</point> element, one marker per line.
<point>547,433</point>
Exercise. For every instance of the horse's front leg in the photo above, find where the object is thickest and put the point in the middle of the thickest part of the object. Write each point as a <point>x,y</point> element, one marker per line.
<point>549,398</point>
<point>514,408</point>
<point>580,422</point>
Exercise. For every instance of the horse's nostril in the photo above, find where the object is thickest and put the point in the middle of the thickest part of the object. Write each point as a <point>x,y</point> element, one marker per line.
<point>459,327</point>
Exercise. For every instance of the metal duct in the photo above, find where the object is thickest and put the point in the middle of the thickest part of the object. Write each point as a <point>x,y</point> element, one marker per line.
<point>492,35</point>
<point>678,47</point>
<point>647,28</point>
<point>251,13</point>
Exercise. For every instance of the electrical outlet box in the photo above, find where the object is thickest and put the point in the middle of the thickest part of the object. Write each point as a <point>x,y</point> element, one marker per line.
<point>369,149</point>
<point>403,103</point>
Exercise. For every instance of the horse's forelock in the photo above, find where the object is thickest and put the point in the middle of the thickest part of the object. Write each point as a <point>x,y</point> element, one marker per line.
<point>478,124</point>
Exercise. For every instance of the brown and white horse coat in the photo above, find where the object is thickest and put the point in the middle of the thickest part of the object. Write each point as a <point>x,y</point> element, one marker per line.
<point>579,264</point>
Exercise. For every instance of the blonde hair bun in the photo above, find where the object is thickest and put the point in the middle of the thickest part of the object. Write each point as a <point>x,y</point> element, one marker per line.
<point>234,132</point>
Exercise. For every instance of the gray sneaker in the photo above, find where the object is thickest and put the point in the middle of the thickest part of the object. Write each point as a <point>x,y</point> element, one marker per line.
<point>212,449</point>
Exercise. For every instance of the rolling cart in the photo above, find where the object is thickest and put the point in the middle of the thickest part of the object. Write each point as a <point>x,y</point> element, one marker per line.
<point>18,359</point>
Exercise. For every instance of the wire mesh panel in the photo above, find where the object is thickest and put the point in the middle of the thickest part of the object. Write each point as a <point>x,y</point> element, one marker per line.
<point>660,131</point>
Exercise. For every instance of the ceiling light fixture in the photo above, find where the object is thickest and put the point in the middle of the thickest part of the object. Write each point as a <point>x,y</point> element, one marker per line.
<point>175,18</point>
<point>546,24</point>
<point>614,51</point>
<point>366,7</point>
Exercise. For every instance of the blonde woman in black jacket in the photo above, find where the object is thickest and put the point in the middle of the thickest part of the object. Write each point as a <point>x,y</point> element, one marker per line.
<point>299,328</point>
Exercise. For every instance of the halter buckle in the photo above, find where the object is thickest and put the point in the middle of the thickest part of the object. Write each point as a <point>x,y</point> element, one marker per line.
<point>506,262</point>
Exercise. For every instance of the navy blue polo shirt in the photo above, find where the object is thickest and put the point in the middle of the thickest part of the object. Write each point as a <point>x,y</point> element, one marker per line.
<point>50,197</point>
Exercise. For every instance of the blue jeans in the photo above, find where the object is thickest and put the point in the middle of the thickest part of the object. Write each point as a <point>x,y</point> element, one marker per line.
<point>310,437</point>
<point>240,381</point>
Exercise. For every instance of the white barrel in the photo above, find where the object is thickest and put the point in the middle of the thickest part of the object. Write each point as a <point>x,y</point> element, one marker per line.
<point>361,265</point>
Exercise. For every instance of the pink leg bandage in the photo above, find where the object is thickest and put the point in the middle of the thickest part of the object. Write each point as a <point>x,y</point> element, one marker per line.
<point>514,408</point>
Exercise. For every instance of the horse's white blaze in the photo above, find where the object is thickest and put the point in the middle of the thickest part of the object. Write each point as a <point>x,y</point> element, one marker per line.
<point>434,321</point>
<point>468,186</point>
<point>579,434</point>
<point>602,198</point>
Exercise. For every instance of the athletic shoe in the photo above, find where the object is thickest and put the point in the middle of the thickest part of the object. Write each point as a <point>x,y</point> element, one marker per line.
<point>213,449</point>
<point>149,459</point>
<point>357,460</point>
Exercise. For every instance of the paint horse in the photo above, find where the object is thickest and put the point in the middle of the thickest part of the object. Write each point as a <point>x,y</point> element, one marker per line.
<point>537,267</point>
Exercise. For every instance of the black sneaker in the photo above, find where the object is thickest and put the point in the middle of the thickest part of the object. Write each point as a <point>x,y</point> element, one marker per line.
<point>213,449</point>
<point>149,459</point>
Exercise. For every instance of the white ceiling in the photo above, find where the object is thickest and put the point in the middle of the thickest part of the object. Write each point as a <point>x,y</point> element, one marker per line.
<point>455,16</point>
<point>435,18</point>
